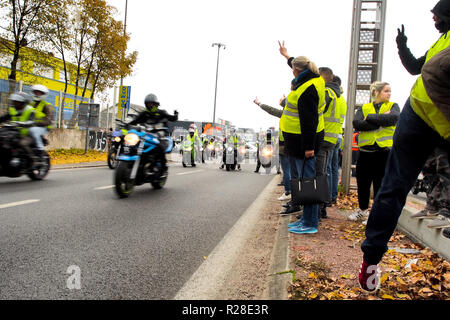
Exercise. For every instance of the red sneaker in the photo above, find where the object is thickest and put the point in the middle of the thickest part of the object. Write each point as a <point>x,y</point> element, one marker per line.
<point>369,277</point>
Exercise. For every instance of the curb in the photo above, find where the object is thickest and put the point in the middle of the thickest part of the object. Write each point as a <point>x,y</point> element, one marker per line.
<point>78,165</point>
<point>280,266</point>
<point>418,231</point>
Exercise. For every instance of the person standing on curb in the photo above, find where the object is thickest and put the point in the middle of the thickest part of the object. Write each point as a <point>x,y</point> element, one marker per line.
<point>424,124</point>
<point>333,161</point>
<point>333,129</point>
<point>376,121</point>
<point>302,126</point>
<point>285,165</point>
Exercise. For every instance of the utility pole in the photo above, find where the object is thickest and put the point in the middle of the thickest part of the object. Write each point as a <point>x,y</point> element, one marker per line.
<point>124,33</point>
<point>219,45</point>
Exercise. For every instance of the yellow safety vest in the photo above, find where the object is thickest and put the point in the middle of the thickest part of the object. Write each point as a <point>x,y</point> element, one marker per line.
<point>383,135</point>
<point>24,116</point>
<point>39,110</point>
<point>342,107</point>
<point>421,102</point>
<point>332,118</point>
<point>290,119</point>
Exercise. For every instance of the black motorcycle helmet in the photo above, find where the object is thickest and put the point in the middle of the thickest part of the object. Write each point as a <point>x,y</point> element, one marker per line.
<point>151,102</point>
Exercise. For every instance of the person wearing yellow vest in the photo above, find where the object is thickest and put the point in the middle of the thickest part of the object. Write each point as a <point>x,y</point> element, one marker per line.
<point>194,138</point>
<point>20,110</point>
<point>302,126</point>
<point>43,115</point>
<point>333,160</point>
<point>376,123</point>
<point>422,126</point>
<point>333,128</point>
<point>284,161</point>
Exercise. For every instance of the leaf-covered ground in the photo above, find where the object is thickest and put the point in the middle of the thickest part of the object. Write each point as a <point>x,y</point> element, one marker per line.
<point>326,264</point>
<point>69,156</point>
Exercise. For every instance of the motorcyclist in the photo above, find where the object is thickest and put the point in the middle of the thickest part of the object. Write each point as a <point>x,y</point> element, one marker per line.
<point>204,142</point>
<point>43,115</point>
<point>195,141</point>
<point>20,110</point>
<point>233,138</point>
<point>153,115</point>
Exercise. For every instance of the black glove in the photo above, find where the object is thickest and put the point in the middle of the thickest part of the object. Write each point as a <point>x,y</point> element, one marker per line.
<point>175,114</point>
<point>401,38</point>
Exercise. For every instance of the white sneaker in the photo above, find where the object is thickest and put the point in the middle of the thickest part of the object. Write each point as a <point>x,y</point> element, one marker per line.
<point>358,215</point>
<point>285,196</point>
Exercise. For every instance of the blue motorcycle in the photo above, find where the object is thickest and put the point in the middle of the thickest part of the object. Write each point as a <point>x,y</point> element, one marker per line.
<point>142,159</point>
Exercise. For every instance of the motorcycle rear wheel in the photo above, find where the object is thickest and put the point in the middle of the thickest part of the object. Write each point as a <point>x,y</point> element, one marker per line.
<point>124,185</point>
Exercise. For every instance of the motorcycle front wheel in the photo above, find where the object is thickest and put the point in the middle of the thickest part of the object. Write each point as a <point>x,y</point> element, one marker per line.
<point>41,171</point>
<point>112,158</point>
<point>124,185</point>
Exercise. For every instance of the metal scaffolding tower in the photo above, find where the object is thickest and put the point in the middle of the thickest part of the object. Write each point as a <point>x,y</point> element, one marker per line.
<point>366,63</point>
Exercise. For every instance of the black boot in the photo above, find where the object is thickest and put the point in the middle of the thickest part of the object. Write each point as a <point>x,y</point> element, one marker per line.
<point>290,209</point>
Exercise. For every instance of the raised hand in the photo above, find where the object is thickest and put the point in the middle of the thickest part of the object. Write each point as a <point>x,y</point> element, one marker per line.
<point>283,50</point>
<point>401,37</point>
<point>256,101</point>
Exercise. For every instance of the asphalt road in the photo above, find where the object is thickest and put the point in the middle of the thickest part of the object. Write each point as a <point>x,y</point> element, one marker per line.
<point>143,247</point>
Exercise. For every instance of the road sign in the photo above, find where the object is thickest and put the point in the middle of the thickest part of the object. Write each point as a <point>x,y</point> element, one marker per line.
<point>124,101</point>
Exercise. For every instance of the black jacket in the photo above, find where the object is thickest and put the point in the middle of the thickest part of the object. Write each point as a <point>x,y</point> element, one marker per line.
<point>153,117</point>
<point>309,139</point>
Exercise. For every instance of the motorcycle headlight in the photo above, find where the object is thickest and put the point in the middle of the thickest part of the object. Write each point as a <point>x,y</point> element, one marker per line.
<point>267,152</point>
<point>229,149</point>
<point>131,139</point>
<point>117,139</point>
<point>242,150</point>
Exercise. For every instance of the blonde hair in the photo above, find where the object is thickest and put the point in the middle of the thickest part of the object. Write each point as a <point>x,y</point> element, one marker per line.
<point>377,86</point>
<point>301,63</point>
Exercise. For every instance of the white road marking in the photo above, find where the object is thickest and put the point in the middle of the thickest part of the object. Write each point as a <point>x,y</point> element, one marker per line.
<point>18,203</point>
<point>190,172</point>
<point>105,187</point>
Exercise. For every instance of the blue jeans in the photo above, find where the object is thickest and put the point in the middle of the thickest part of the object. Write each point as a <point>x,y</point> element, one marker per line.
<point>310,212</point>
<point>286,167</point>
<point>333,170</point>
<point>37,133</point>
<point>414,141</point>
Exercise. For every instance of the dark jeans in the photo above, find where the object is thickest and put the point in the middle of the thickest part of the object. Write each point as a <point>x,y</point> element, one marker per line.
<point>286,167</point>
<point>370,169</point>
<point>414,141</point>
<point>310,212</point>
<point>333,170</point>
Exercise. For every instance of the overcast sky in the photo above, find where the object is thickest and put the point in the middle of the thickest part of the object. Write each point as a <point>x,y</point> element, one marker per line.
<point>177,62</point>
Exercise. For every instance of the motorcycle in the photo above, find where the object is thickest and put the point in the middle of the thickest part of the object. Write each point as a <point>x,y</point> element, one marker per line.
<point>231,160</point>
<point>141,160</point>
<point>265,157</point>
<point>116,144</point>
<point>14,160</point>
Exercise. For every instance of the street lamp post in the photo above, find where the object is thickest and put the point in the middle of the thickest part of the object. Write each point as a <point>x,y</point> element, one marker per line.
<point>219,45</point>
<point>124,33</point>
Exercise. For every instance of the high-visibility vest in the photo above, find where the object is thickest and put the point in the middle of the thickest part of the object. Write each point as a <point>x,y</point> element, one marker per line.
<point>383,135</point>
<point>354,142</point>
<point>342,107</point>
<point>332,118</point>
<point>39,107</point>
<point>290,119</point>
<point>421,102</point>
<point>22,117</point>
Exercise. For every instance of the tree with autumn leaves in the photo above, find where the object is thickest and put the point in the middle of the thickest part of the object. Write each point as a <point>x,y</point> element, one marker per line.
<point>82,32</point>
